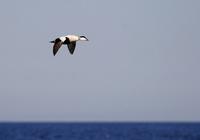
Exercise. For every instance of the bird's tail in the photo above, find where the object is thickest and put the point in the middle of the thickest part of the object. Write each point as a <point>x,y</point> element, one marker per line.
<point>52,41</point>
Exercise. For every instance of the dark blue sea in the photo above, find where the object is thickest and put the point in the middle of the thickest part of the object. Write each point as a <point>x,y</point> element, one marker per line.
<point>99,131</point>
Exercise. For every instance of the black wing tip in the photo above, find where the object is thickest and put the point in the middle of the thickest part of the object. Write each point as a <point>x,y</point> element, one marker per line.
<point>71,47</point>
<point>55,51</point>
<point>71,53</point>
<point>56,47</point>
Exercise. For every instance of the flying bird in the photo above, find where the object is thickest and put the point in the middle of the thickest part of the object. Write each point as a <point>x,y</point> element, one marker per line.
<point>69,40</point>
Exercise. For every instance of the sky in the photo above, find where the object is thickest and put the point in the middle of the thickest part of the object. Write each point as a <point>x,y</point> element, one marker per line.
<point>141,62</point>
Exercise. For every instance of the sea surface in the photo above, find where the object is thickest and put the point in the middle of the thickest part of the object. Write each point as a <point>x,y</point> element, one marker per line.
<point>100,131</point>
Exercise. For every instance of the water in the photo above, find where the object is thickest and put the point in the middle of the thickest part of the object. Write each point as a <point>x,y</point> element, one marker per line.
<point>99,131</point>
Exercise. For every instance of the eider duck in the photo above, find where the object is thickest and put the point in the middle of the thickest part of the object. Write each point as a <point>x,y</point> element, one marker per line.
<point>69,40</point>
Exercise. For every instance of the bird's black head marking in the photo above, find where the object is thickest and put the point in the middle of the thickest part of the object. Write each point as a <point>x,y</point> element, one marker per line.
<point>83,37</point>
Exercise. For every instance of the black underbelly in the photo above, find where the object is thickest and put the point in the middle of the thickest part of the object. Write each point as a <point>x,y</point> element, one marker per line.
<point>66,41</point>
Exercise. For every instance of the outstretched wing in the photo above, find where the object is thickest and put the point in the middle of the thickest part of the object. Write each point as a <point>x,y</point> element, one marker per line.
<point>58,43</point>
<point>71,47</point>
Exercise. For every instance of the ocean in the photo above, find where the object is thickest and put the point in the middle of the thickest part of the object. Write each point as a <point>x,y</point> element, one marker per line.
<point>100,131</point>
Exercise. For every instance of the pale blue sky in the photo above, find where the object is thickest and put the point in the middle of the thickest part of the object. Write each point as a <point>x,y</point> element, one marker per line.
<point>141,63</point>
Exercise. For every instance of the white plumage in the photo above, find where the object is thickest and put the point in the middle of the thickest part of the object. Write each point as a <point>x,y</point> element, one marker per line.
<point>69,40</point>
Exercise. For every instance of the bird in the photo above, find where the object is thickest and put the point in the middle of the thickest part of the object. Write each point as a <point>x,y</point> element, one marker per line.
<point>69,40</point>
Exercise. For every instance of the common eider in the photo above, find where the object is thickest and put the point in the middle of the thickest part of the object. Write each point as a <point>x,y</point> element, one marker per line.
<point>69,40</point>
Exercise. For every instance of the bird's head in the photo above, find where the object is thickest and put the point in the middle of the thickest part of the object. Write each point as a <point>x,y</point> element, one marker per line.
<point>83,38</point>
